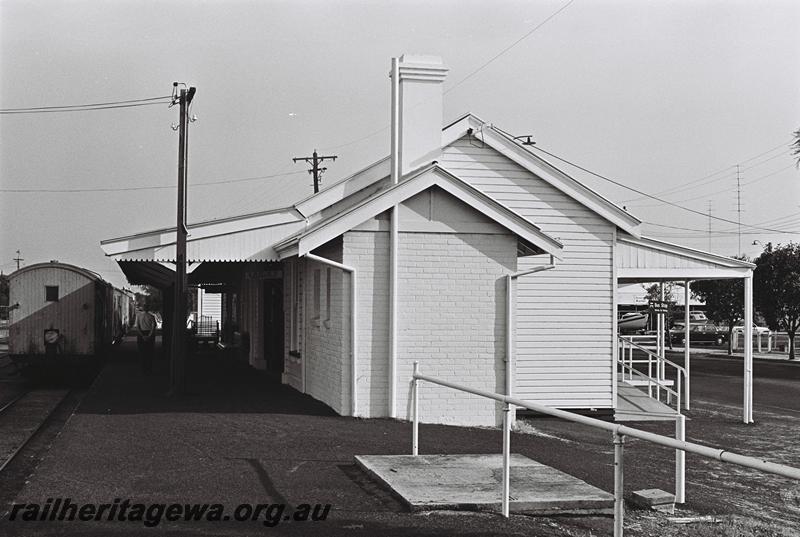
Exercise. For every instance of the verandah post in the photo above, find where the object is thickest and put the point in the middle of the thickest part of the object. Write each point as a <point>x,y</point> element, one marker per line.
<point>506,458</point>
<point>415,412</point>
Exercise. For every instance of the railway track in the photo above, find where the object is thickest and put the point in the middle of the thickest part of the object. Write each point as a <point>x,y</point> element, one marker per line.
<point>22,417</point>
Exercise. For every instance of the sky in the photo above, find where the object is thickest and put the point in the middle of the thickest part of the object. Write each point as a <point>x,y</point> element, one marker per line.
<point>666,97</point>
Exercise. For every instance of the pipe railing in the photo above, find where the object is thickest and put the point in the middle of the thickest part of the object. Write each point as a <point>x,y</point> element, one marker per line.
<point>659,381</point>
<point>619,433</point>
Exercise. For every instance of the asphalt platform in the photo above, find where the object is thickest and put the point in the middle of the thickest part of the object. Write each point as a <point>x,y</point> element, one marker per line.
<point>239,437</point>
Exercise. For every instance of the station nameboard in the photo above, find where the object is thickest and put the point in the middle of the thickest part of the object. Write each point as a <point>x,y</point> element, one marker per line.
<point>264,275</point>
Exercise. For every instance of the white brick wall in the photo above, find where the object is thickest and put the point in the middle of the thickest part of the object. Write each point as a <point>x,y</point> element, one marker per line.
<point>292,374</point>
<point>369,253</point>
<point>327,343</point>
<point>451,317</point>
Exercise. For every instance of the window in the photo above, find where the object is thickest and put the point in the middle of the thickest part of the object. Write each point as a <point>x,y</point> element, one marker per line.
<point>51,293</point>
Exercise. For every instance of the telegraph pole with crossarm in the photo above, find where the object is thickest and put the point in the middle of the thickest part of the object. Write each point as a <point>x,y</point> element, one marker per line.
<point>315,161</point>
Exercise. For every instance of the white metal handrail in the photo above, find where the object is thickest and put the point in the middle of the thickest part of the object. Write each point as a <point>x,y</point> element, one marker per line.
<point>619,433</point>
<point>659,381</point>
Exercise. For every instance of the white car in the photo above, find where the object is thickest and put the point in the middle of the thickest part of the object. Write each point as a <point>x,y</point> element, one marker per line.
<point>757,330</point>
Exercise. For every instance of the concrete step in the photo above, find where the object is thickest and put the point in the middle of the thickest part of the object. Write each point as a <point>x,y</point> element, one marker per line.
<point>474,483</point>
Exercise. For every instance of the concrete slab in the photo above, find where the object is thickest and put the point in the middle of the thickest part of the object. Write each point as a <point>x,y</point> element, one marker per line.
<point>633,404</point>
<point>655,499</point>
<point>474,483</point>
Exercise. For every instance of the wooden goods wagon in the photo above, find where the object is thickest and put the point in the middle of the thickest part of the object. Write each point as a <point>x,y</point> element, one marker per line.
<point>60,311</point>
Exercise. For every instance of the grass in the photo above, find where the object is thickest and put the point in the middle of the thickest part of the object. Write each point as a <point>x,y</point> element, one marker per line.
<point>641,524</point>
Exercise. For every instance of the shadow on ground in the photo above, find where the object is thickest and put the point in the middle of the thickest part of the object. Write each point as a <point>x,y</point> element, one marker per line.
<point>216,383</point>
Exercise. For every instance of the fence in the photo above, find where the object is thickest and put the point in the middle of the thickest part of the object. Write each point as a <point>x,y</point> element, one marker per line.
<point>772,342</point>
<point>619,434</point>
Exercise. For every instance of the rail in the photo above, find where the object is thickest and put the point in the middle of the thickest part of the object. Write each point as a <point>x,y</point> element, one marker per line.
<point>659,382</point>
<point>619,433</point>
<point>775,341</point>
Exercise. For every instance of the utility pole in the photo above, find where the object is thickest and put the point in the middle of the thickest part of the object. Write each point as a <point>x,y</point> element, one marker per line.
<point>315,161</point>
<point>178,362</point>
<point>18,259</point>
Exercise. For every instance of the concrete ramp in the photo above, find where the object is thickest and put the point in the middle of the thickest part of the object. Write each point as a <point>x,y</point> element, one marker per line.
<point>474,483</point>
<point>633,404</point>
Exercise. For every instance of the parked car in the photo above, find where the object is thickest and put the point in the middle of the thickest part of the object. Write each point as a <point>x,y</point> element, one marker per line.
<point>757,330</point>
<point>702,333</point>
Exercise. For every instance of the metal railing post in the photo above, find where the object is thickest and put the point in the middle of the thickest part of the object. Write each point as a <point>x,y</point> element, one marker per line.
<point>680,460</point>
<point>619,501</point>
<point>415,422</point>
<point>506,458</point>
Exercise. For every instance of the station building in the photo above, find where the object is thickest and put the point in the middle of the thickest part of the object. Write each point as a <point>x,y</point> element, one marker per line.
<point>462,250</point>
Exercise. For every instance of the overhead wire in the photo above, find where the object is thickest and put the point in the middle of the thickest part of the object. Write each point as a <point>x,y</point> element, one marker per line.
<point>701,197</point>
<point>467,77</point>
<point>713,232</point>
<point>153,187</point>
<point>84,109</point>
<point>688,185</point>
<point>645,194</point>
<point>509,47</point>
<point>32,108</point>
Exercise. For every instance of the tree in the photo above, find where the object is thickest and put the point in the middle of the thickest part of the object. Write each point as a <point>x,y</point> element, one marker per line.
<point>724,302</point>
<point>150,297</point>
<point>776,287</point>
<point>796,146</point>
<point>3,296</point>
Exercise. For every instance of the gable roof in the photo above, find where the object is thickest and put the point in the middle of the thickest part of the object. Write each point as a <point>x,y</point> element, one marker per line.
<point>503,144</point>
<point>521,155</point>
<point>159,244</point>
<point>414,183</point>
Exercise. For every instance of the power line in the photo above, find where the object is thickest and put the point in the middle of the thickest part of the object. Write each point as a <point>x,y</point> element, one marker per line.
<point>645,194</point>
<point>467,77</point>
<point>679,188</point>
<point>84,109</point>
<point>509,47</point>
<point>768,175</point>
<point>696,198</point>
<point>83,105</point>
<point>718,232</point>
<point>134,188</point>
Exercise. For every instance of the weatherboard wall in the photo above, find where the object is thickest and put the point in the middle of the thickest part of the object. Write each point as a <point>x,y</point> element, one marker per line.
<point>564,316</point>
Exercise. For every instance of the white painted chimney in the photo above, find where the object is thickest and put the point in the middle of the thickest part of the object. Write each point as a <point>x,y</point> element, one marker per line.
<point>416,111</point>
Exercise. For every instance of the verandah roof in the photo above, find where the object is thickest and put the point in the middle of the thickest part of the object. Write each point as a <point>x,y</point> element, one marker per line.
<point>649,260</point>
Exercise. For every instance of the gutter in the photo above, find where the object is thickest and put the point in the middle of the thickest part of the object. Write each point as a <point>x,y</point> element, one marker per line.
<point>396,148</point>
<point>353,325</point>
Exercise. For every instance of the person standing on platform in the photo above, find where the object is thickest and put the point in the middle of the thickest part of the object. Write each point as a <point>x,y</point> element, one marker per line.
<point>145,329</point>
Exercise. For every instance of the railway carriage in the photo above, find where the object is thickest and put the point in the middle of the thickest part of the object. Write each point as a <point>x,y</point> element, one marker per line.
<point>65,313</point>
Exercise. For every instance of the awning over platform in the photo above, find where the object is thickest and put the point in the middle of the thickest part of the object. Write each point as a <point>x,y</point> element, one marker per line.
<point>650,260</point>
